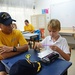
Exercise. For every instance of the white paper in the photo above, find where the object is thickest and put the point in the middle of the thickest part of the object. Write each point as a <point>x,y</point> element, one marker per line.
<point>44,53</point>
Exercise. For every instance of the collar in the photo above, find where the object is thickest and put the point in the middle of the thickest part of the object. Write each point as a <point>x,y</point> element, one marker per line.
<point>58,40</point>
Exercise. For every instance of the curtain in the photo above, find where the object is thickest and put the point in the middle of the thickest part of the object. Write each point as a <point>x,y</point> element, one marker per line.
<point>19,10</point>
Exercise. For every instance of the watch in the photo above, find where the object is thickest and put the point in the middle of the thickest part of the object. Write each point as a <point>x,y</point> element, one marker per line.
<point>14,49</point>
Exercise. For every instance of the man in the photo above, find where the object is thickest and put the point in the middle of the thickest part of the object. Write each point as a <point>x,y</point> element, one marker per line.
<point>12,41</point>
<point>28,27</point>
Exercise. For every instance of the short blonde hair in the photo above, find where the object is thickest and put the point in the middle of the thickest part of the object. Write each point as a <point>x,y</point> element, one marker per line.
<point>54,24</point>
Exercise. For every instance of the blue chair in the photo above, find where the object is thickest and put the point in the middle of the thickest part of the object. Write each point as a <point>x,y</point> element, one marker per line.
<point>39,35</point>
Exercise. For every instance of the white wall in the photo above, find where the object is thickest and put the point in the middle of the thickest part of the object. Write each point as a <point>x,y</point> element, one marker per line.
<point>20,10</point>
<point>64,10</point>
<point>42,4</point>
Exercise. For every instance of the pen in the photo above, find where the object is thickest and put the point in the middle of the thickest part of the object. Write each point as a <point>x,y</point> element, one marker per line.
<point>45,45</point>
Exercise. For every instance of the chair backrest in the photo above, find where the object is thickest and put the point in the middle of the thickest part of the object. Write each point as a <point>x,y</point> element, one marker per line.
<point>39,34</point>
<point>70,50</point>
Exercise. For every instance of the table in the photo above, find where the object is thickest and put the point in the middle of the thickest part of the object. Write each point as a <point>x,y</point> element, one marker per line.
<point>69,34</point>
<point>24,32</point>
<point>57,67</point>
<point>30,37</point>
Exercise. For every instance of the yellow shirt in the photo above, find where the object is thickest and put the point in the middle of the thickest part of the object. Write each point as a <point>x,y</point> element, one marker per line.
<point>29,27</point>
<point>12,39</point>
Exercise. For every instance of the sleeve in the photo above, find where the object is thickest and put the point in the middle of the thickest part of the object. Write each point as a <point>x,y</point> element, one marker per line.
<point>44,41</point>
<point>65,47</point>
<point>22,40</point>
<point>24,28</point>
<point>1,42</point>
<point>32,27</point>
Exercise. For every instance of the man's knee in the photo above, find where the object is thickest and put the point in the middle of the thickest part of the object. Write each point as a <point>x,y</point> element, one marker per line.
<point>3,73</point>
<point>2,68</point>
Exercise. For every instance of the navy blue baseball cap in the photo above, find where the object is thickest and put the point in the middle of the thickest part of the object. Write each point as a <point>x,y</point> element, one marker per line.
<point>25,67</point>
<point>6,19</point>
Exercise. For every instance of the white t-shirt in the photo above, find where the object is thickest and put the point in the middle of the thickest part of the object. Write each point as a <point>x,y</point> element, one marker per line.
<point>61,43</point>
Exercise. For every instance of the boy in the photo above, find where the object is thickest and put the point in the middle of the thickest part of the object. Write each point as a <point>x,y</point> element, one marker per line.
<point>54,41</point>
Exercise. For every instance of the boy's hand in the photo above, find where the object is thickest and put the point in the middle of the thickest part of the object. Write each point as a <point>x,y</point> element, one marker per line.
<point>54,47</point>
<point>37,45</point>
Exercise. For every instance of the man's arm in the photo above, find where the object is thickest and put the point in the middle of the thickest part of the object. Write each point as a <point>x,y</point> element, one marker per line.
<point>5,49</point>
<point>7,55</point>
<point>8,51</point>
<point>22,48</point>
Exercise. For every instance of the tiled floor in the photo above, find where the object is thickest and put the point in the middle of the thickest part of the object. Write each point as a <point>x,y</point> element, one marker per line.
<point>71,70</point>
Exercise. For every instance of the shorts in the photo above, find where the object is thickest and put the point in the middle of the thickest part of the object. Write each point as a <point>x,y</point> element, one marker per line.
<point>2,67</point>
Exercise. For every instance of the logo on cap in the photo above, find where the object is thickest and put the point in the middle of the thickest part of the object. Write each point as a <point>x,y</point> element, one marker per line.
<point>5,16</point>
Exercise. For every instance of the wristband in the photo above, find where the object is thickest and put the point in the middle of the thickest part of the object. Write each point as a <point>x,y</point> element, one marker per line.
<point>14,49</point>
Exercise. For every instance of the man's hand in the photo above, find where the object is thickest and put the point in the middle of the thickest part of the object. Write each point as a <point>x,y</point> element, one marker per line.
<point>4,49</point>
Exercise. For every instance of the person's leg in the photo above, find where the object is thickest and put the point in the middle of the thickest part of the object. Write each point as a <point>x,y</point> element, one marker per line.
<point>2,69</point>
<point>65,73</point>
<point>3,73</point>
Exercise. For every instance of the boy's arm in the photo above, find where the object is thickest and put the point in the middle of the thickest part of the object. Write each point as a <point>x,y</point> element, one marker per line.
<point>66,56</point>
<point>38,45</point>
